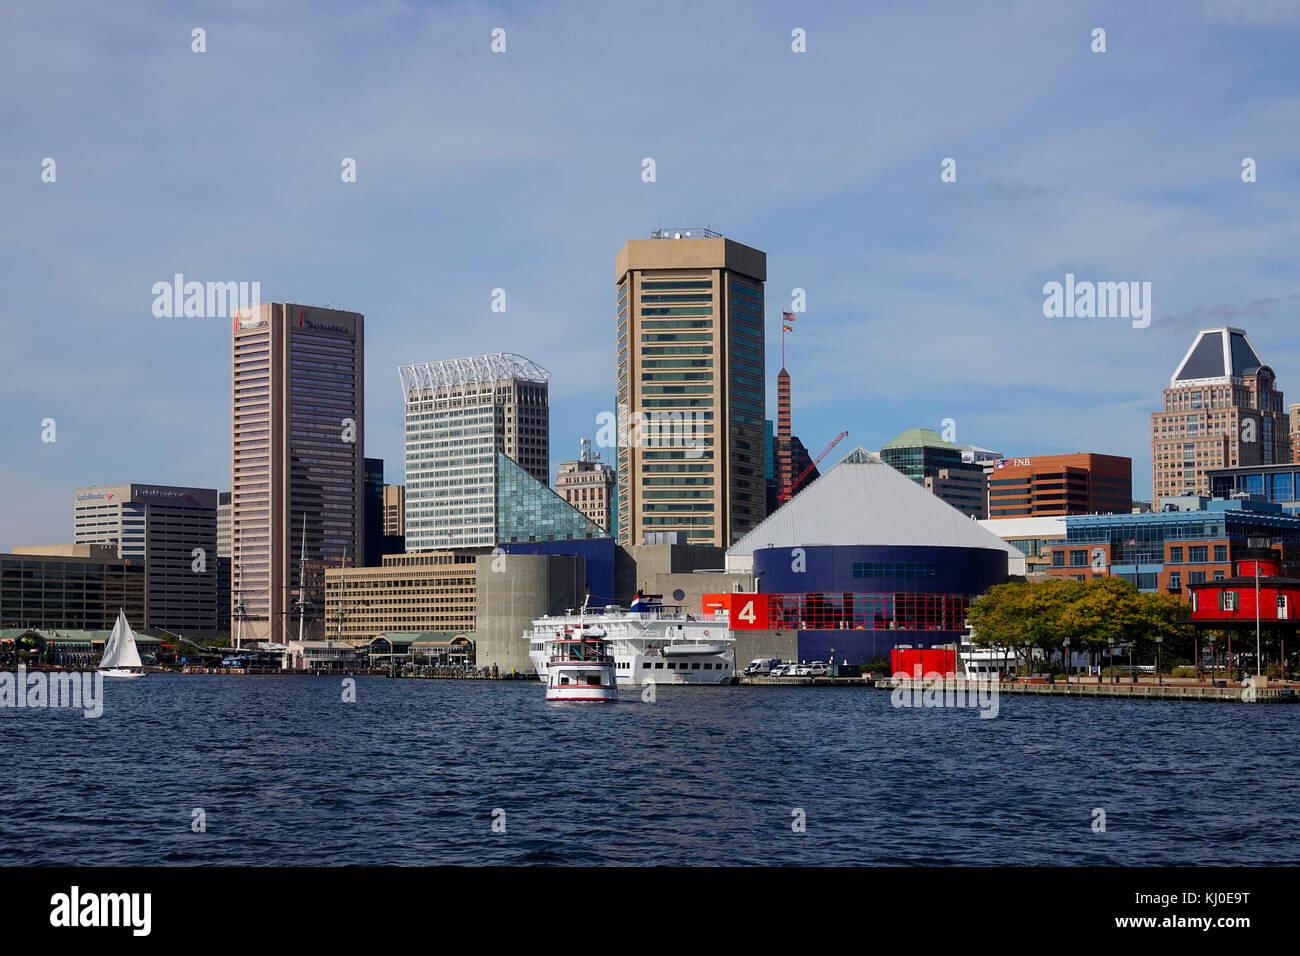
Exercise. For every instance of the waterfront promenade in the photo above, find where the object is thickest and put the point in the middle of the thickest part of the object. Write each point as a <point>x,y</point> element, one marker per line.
<point>1148,688</point>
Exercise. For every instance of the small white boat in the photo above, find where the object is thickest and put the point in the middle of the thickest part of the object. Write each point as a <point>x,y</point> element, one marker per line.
<point>579,666</point>
<point>121,658</point>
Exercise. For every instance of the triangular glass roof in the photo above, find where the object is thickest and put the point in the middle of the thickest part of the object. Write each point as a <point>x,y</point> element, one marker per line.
<point>528,510</point>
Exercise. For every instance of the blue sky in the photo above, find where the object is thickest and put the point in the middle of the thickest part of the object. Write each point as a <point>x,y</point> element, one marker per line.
<point>522,171</point>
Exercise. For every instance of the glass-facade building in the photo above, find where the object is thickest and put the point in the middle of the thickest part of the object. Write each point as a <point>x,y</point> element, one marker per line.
<point>66,591</point>
<point>297,468</point>
<point>690,336</point>
<point>1168,550</point>
<point>529,511</point>
<point>460,415</point>
<point>1279,484</point>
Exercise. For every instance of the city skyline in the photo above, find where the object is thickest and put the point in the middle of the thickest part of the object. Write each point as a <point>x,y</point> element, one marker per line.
<point>1050,183</point>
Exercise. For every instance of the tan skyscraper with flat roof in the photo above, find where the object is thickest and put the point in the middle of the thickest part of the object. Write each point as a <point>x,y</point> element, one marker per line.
<point>690,387</point>
<point>297,462</point>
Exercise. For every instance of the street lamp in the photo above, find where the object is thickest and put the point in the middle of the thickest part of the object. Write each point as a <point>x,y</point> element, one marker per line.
<point>1213,637</point>
<point>1066,644</point>
<point>1110,656</point>
<point>1160,678</point>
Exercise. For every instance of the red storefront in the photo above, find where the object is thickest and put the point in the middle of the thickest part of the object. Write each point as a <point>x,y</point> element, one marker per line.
<point>1230,605</point>
<point>1232,600</point>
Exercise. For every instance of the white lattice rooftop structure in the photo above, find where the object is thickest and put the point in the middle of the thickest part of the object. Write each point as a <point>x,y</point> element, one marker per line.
<point>460,413</point>
<point>472,370</point>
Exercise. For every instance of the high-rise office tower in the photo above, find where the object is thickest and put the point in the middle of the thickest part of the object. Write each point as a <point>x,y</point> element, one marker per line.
<point>173,533</point>
<point>297,469</point>
<point>690,387</point>
<point>937,466</point>
<point>1293,414</point>
<point>1222,409</point>
<point>395,510</point>
<point>461,416</point>
<point>373,548</point>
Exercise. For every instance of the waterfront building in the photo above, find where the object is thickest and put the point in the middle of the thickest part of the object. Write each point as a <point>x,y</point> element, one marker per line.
<point>73,586</point>
<point>1054,485</point>
<point>936,465</point>
<point>464,418</point>
<point>1279,484</point>
<point>172,532</point>
<point>860,562</point>
<point>297,468</point>
<point>1222,409</point>
<point>1195,540</point>
<point>1232,602</point>
<point>588,485</point>
<point>1032,537</point>
<point>691,384</point>
<point>429,591</point>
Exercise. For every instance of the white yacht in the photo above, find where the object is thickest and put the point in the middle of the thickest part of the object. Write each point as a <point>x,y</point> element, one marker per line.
<point>650,643</point>
<point>579,666</point>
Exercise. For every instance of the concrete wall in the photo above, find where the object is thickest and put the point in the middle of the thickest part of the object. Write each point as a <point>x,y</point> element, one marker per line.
<point>694,586</point>
<point>639,566</point>
<point>513,589</point>
<point>758,643</point>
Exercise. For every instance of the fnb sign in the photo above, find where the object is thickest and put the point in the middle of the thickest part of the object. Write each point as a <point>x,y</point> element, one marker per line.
<point>1013,462</point>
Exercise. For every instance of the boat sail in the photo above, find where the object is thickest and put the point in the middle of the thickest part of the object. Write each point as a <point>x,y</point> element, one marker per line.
<point>121,659</point>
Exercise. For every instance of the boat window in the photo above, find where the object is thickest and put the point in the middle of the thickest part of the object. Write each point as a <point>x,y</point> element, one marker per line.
<point>645,666</point>
<point>659,665</point>
<point>695,667</point>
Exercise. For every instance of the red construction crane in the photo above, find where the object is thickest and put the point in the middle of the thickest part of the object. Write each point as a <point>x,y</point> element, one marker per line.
<point>794,485</point>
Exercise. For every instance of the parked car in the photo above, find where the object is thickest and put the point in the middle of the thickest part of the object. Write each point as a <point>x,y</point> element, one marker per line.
<point>782,670</point>
<point>800,670</point>
<point>762,665</point>
<point>818,669</point>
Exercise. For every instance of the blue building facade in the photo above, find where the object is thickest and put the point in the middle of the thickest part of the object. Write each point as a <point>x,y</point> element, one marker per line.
<point>860,601</point>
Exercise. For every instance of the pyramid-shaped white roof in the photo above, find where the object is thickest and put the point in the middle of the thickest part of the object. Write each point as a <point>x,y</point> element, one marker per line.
<point>862,501</point>
<point>1217,356</point>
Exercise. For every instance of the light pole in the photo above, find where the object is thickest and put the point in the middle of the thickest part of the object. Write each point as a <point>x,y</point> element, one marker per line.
<point>1212,638</point>
<point>1065,642</point>
<point>1160,678</point>
<point>1110,656</point>
<point>1261,544</point>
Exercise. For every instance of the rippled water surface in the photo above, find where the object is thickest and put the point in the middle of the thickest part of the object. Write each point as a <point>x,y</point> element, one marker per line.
<point>411,774</point>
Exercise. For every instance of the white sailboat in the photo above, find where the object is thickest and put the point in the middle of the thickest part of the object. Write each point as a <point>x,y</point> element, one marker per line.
<point>121,659</point>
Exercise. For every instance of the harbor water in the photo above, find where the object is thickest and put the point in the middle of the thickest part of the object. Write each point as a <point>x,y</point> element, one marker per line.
<point>449,772</point>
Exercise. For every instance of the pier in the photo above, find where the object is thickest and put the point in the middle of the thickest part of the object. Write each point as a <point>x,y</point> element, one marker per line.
<point>1221,691</point>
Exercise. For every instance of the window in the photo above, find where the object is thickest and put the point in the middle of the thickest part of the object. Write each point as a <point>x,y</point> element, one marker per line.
<point>1058,559</point>
<point>1196,577</point>
<point>1078,559</point>
<point>1227,600</point>
<point>1220,552</point>
<point>1198,554</point>
<point>1218,575</point>
<point>1176,555</point>
<point>1176,580</point>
